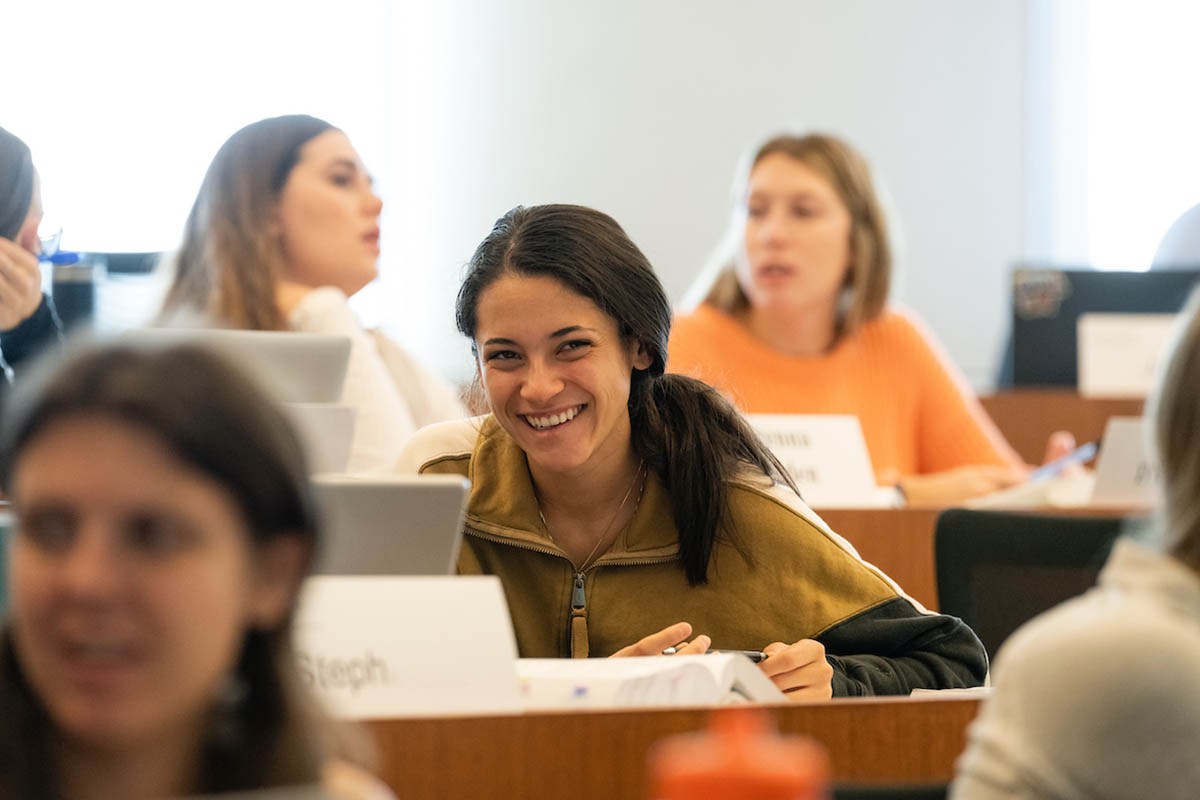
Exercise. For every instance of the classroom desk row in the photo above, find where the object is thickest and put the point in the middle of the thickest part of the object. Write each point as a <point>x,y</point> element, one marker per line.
<point>602,755</point>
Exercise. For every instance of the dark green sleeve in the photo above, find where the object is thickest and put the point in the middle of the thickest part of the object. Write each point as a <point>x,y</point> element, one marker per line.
<point>30,335</point>
<point>892,648</point>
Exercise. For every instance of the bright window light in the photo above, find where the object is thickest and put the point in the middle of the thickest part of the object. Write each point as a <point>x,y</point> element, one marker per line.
<point>1143,126</point>
<point>125,103</point>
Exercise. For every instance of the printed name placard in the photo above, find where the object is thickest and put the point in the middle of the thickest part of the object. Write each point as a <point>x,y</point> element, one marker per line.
<point>826,456</point>
<point>380,646</point>
<point>1118,353</point>
<point>1125,475</point>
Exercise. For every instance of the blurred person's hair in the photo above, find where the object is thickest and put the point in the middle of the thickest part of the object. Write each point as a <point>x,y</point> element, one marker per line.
<point>1175,411</point>
<point>16,184</point>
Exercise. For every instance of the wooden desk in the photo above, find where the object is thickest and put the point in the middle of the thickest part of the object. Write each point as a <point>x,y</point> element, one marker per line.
<point>898,541</point>
<point>602,755</point>
<point>1027,417</point>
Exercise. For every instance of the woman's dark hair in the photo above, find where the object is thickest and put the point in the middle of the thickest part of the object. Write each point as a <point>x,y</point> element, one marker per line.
<point>229,261</point>
<point>684,430</point>
<point>211,417</point>
<point>16,184</point>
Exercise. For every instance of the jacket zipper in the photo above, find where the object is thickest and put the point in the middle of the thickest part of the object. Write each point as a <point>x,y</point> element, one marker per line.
<point>577,621</point>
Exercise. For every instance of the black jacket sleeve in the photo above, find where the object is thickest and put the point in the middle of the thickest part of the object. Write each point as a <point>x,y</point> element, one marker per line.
<point>909,650</point>
<point>30,335</point>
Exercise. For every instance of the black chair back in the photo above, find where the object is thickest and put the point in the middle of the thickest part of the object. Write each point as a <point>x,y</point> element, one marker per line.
<point>996,570</point>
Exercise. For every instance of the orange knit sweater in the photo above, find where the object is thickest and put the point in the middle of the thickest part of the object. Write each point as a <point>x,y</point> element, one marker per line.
<point>917,414</point>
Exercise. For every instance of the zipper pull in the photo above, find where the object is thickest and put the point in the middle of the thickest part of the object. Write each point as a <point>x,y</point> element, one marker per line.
<point>578,596</point>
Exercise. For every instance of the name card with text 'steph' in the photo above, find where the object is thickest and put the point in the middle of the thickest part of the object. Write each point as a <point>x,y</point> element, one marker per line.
<point>826,457</point>
<point>376,647</point>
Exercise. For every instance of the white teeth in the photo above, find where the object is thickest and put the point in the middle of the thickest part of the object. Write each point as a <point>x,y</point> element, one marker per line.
<point>541,423</point>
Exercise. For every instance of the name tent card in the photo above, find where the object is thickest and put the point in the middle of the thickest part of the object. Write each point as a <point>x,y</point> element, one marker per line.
<point>1118,353</point>
<point>1125,474</point>
<point>826,456</point>
<point>376,647</point>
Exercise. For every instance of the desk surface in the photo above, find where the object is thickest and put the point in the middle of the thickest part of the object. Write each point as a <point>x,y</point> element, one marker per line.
<point>588,755</point>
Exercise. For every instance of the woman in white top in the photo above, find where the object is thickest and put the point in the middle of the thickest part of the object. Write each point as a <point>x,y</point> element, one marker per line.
<point>286,228</point>
<point>1100,697</point>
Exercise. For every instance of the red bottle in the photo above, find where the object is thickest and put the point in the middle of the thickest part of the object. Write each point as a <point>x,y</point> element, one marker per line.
<point>739,757</point>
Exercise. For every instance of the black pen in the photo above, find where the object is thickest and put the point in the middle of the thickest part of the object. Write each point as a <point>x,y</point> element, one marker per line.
<point>756,656</point>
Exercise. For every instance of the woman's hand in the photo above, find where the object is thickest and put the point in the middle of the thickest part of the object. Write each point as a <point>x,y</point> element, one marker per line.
<point>800,670</point>
<point>1059,444</point>
<point>671,636</point>
<point>958,484</point>
<point>20,284</point>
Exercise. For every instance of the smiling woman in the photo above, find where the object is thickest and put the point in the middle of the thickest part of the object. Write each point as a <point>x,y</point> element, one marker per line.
<point>286,228</point>
<point>625,509</point>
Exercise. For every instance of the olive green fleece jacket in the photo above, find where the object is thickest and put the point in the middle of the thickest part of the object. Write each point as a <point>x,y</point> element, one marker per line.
<point>800,580</point>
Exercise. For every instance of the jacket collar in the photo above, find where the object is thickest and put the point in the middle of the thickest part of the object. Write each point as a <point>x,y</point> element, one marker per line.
<point>503,503</point>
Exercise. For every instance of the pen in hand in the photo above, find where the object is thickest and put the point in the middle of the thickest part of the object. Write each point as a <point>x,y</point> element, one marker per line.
<point>757,656</point>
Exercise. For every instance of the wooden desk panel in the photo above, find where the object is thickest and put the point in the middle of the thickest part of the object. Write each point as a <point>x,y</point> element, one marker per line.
<point>1027,417</point>
<point>602,755</point>
<point>898,541</point>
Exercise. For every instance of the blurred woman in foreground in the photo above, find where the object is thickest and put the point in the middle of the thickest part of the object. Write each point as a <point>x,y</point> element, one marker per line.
<point>1100,697</point>
<point>163,523</point>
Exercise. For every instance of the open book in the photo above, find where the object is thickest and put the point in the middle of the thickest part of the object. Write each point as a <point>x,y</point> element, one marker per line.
<point>712,679</point>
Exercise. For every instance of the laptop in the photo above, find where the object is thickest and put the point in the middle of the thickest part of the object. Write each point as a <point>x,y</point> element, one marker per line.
<point>390,525</point>
<point>292,367</point>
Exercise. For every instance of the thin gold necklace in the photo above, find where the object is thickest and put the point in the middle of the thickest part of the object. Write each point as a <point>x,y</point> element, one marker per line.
<point>587,562</point>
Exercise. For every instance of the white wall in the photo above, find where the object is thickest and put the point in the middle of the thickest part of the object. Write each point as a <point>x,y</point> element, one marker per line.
<point>642,108</point>
<point>465,108</point>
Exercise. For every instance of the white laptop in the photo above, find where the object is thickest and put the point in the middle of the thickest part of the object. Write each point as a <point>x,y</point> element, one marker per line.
<point>390,525</point>
<point>1126,475</point>
<point>293,367</point>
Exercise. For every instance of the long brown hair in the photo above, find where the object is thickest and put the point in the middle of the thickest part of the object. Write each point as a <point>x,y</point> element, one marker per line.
<point>1175,411</point>
<point>682,428</point>
<point>229,261</point>
<point>270,732</point>
<point>868,280</point>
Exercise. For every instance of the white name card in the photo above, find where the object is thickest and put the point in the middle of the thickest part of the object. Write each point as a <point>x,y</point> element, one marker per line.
<point>1125,475</point>
<point>826,456</point>
<point>379,646</point>
<point>1118,353</point>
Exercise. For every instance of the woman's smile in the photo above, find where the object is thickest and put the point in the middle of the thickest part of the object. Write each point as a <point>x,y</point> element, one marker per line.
<point>549,421</point>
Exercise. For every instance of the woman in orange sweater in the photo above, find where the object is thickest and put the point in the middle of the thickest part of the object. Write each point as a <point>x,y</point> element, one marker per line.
<point>798,324</point>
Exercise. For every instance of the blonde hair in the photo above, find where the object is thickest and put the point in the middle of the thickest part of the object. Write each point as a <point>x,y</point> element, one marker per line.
<point>868,280</point>
<point>230,260</point>
<point>1175,411</point>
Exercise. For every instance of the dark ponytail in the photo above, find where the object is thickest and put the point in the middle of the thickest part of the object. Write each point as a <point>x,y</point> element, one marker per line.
<point>693,438</point>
